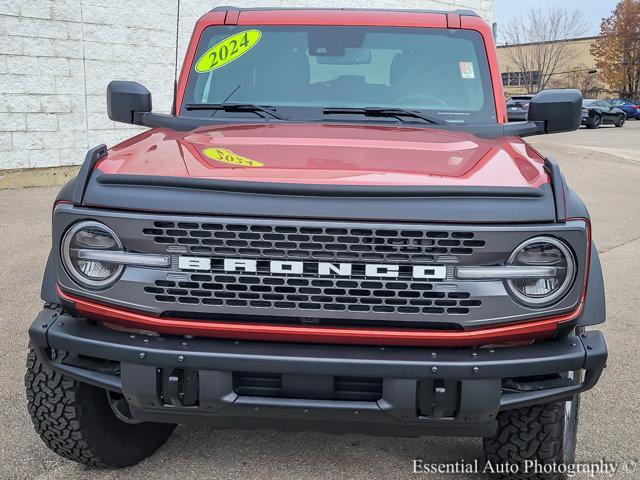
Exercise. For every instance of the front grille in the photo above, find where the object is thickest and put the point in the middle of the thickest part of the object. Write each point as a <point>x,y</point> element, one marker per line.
<point>260,291</point>
<point>307,293</point>
<point>319,243</point>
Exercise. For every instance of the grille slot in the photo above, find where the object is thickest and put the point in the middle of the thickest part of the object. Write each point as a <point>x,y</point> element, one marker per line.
<point>356,389</point>
<point>257,384</point>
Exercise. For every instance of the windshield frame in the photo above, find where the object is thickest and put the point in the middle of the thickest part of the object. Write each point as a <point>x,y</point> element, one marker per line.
<point>375,18</point>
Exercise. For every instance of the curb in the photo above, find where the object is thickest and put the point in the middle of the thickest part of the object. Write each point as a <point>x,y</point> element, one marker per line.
<point>36,177</point>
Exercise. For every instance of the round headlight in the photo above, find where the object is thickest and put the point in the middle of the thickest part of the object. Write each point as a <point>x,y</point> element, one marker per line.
<point>87,236</point>
<point>543,252</point>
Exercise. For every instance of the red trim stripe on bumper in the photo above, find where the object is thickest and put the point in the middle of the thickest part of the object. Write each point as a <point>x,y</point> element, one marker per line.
<point>522,332</point>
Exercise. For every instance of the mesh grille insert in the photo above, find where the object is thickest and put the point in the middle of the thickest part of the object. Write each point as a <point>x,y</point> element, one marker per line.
<point>299,243</point>
<point>331,294</point>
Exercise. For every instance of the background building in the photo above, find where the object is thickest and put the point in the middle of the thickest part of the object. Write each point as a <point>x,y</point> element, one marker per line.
<point>57,57</point>
<point>580,72</point>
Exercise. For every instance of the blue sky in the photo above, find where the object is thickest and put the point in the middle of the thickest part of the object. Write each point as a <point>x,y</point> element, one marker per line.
<point>593,10</point>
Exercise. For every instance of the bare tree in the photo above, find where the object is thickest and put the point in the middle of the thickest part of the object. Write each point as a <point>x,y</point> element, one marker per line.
<point>582,78</point>
<point>542,48</point>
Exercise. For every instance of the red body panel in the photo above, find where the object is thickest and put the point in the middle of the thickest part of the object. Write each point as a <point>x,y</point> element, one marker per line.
<point>332,154</point>
<point>523,332</point>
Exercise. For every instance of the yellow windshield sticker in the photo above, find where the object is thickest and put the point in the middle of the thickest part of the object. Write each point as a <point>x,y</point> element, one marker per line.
<point>227,50</point>
<point>227,156</point>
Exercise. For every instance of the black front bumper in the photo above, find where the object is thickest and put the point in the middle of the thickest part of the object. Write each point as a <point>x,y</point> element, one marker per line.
<point>452,391</point>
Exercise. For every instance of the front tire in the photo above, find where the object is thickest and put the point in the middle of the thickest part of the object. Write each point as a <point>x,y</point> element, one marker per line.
<point>76,421</point>
<point>544,434</point>
<point>597,121</point>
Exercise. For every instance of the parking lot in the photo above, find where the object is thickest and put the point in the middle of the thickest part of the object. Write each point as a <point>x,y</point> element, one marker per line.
<point>602,165</point>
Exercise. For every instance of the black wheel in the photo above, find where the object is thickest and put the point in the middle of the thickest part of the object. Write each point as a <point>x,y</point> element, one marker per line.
<point>595,123</point>
<point>77,421</point>
<point>541,435</point>
<point>620,121</point>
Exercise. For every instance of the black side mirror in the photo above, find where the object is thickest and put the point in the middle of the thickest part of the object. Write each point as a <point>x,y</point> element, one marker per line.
<point>557,110</point>
<point>127,102</point>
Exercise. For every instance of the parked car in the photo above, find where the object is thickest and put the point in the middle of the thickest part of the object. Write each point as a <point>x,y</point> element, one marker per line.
<point>325,252</point>
<point>631,109</point>
<point>518,108</point>
<point>600,112</point>
<point>516,112</point>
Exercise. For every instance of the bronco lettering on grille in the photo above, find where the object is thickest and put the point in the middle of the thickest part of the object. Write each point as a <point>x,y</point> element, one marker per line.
<point>430,272</point>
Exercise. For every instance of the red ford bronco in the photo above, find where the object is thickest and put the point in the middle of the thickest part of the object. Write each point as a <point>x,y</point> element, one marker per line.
<point>336,228</point>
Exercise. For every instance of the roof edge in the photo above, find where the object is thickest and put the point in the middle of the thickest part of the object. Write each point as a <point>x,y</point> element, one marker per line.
<point>465,12</point>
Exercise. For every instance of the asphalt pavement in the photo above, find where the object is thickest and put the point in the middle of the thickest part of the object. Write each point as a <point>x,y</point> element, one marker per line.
<point>603,166</point>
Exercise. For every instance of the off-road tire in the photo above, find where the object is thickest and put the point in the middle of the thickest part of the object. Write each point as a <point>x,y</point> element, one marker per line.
<point>534,433</point>
<point>76,421</point>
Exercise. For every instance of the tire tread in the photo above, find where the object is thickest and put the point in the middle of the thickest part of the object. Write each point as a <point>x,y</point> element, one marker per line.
<point>74,420</point>
<point>530,433</point>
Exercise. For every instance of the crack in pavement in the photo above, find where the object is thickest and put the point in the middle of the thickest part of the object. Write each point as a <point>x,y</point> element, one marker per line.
<point>610,249</point>
<point>616,153</point>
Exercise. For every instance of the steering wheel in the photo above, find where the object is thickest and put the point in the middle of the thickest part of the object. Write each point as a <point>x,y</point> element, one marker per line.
<point>421,97</point>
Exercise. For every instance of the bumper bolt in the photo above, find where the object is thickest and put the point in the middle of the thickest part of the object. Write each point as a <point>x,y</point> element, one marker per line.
<point>434,369</point>
<point>257,409</point>
<point>589,347</point>
<point>476,369</point>
<point>474,354</point>
<point>149,404</point>
<point>434,354</point>
<point>142,355</point>
<point>45,325</point>
<point>180,358</point>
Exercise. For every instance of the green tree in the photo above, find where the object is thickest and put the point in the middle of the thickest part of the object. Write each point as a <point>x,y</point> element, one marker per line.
<point>617,49</point>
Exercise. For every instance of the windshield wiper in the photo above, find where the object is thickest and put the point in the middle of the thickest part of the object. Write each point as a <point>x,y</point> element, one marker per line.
<point>384,112</point>
<point>236,107</point>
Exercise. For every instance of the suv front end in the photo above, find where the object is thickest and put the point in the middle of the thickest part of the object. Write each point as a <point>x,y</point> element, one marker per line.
<point>387,271</point>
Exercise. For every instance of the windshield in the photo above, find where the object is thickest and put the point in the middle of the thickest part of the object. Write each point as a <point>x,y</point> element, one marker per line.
<point>302,71</point>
